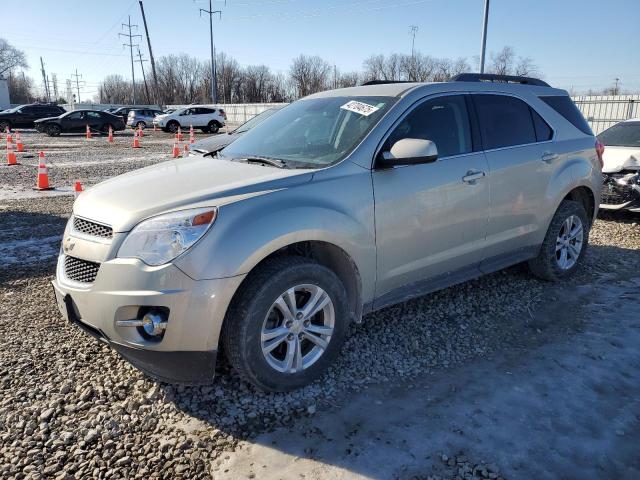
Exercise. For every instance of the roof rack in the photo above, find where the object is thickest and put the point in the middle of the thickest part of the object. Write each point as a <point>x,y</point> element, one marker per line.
<point>492,77</point>
<point>385,82</point>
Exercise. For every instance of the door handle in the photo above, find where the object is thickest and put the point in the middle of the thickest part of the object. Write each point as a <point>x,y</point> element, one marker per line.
<point>472,176</point>
<point>549,157</point>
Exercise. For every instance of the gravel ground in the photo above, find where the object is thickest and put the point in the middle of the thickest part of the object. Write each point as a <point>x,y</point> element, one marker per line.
<point>71,408</point>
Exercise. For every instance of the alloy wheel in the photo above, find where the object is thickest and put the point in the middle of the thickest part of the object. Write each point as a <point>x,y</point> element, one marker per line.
<point>297,329</point>
<point>569,242</point>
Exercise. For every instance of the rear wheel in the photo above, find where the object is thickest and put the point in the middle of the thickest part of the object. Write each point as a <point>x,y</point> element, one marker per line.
<point>213,127</point>
<point>53,130</point>
<point>105,128</point>
<point>141,125</point>
<point>564,244</point>
<point>287,324</point>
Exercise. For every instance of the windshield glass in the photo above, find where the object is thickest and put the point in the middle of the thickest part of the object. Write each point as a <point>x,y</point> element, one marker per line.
<point>261,117</point>
<point>625,134</point>
<point>315,132</point>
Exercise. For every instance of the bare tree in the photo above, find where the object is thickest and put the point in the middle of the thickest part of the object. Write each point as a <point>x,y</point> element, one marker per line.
<point>506,62</point>
<point>20,88</point>
<point>309,74</point>
<point>10,58</point>
<point>115,89</point>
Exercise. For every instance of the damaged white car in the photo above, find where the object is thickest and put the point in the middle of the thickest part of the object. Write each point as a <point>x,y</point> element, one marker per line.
<point>621,171</point>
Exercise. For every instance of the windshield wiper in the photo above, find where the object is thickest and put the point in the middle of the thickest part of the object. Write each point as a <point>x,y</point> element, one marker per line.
<point>274,162</point>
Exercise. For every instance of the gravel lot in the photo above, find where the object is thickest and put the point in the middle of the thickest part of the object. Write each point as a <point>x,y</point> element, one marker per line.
<point>71,408</point>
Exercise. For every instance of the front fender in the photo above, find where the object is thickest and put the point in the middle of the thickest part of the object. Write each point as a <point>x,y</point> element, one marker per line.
<point>337,210</point>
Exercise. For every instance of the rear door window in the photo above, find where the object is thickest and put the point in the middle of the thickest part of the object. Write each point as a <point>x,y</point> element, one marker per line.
<point>565,107</point>
<point>505,121</point>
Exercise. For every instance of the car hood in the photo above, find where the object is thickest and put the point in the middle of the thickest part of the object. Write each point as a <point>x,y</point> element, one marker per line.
<point>123,201</point>
<point>620,158</point>
<point>214,143</point>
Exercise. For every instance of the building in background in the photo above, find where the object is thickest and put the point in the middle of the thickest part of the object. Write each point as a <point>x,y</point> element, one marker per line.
<point>4,94</point>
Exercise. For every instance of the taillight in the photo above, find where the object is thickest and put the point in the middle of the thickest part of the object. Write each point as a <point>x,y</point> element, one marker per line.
<point>224,115</point>
<point>600,152</point>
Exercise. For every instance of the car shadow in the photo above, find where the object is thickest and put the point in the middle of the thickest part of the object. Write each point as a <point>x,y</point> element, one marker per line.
<point>29,244</point>
<point>464,331</point>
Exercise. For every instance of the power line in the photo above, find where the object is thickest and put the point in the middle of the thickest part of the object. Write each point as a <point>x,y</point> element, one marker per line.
<point>131,45</point>
<point>211,13</point>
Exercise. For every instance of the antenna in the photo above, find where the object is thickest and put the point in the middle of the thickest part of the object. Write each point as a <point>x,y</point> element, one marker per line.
<point>131,45</point>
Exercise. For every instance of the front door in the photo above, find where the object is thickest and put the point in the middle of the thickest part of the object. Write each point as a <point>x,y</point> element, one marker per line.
<point>431,219</point>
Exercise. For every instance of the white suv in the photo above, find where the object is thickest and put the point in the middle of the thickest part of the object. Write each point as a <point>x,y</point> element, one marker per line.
<point>207,119</point>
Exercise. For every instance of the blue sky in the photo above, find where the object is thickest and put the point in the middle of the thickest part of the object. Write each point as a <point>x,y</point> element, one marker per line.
<point>576,43</point>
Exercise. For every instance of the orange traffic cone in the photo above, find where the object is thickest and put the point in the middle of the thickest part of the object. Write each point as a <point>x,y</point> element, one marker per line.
<point>186,149</point>
<point>19,142</point>
<point>192,135</point>
<point>88,134</point>
<point>77,189</point>
<point>43,175</point>
<point>9,137</point>
<point>110,138</point>
<point>176,150</point>
<point>140,134</point>
<point>136,140</point>
<point>179,135</point>
<point>11,156</point>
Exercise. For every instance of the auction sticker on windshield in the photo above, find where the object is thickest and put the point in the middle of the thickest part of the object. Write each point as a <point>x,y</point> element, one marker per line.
<point>359,107</point>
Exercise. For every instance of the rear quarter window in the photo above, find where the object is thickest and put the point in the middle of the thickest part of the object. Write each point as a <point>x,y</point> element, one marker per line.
<point>565,107</point>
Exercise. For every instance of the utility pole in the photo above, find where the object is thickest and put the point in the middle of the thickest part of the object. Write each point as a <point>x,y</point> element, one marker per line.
<point>211,13</point>
<point>77,84</point>
<point>484,35</point>
<point>144,78</point>
<point>615,91</point>
<point>69,92</point>
<point>153,62</point>
<point>131,45</point>
<point>44,81</point>
<point>413,29</point>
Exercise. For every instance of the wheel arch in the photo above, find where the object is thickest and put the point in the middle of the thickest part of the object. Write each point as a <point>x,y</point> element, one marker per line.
<point>585,196</point>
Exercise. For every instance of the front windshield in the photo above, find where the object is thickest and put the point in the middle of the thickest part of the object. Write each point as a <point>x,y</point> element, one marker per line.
<point>625,134</point>
<point>312,132</point>
<point>261,117</point>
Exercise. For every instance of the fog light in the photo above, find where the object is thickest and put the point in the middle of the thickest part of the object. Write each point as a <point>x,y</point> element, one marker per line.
<point>154,323</point>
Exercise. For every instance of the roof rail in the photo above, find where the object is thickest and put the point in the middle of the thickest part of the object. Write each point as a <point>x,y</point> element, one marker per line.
<point>385,82</point>
<point>492,77</point>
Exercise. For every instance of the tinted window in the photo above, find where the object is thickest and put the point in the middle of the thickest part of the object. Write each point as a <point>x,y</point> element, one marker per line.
<point>565,107</point>
<point>93,115</point>
<point>443,120</point>
<point>206,111</point>
<point>29,109</point>
<point>543,130</point>
<point>504,121</point>
<point>625,134</point>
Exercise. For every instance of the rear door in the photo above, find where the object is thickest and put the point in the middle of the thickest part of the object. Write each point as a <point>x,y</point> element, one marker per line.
<point>431,219</point>
<point>519,148</point>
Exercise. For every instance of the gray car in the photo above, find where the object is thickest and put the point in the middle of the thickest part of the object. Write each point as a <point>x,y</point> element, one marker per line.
<point>342,203</point>
<point>211,145</point>
<point>142,117</point>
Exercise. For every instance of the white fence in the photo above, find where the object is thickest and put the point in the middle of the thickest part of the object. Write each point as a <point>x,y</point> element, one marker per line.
<point>603,111</point>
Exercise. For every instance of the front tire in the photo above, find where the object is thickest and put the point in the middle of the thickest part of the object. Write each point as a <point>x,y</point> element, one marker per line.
<point>173,126</point>
<point>565,243</point>
<point>286,324</point>
<point>141,125</point>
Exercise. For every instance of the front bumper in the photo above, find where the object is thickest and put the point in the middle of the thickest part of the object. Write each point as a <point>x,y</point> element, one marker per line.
<point>123,288</point>
<point>620,191</point>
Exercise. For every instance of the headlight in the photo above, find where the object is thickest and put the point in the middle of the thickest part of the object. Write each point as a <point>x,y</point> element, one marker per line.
<point>160,239</point>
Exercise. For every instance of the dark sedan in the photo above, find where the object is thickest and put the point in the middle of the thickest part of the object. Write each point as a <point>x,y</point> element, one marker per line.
<point>77,121</point>
<point>25,116</point>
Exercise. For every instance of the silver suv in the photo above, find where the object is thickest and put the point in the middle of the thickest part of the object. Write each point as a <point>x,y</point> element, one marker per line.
<point>340,204</point>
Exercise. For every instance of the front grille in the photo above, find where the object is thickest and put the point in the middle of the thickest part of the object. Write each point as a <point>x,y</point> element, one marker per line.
<point>79,270</point>
<point>91,228</point>
<point>615,194</point>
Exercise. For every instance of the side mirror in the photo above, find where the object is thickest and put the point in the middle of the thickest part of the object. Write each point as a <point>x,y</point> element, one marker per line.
<point>410,151</point>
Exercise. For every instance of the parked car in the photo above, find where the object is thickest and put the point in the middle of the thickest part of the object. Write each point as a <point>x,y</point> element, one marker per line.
<point>207,119</point>
<point>142,117</point>
<point>621,171</point>
<point>342,203</point>
<point>25,116</point>
<point>211,145</point>
<point>77,121</point>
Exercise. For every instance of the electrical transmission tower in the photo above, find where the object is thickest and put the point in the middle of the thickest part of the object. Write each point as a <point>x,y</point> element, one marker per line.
<point>413,29</point>
<point>54,80</point>
<point>144,78</point>
<point>131,45</point>
<point>211,13</point>
<point>78,82</point>
<point>69,91</point>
